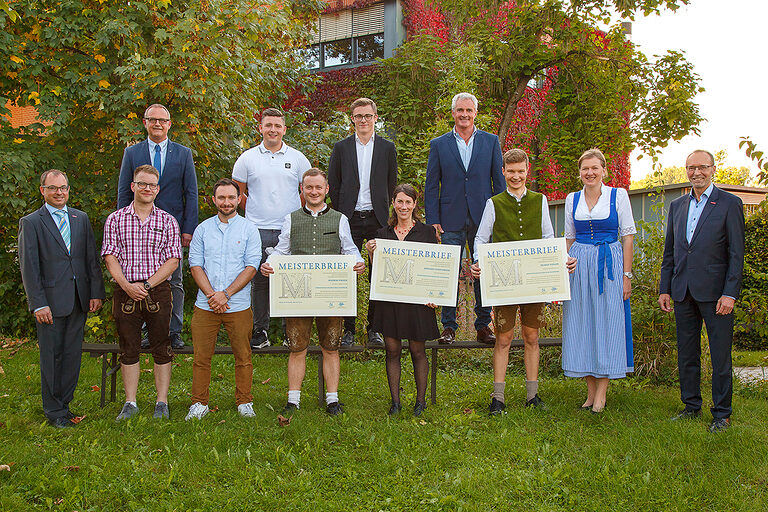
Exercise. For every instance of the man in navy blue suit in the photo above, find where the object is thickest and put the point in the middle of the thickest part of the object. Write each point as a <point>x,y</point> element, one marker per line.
<point>177,196</point>
<point>701,271</point>
<point>463,172</point>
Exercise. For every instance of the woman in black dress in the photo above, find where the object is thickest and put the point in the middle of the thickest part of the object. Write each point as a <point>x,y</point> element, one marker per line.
<point>397,321</point>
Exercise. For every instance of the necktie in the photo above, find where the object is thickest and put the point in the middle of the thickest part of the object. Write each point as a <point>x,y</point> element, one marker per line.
<point>64,228</point>
<point>158,163</point>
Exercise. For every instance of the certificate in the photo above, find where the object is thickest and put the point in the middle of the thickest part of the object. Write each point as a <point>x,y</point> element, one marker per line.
<point>523,272</point>
<point>415,272</point>
<point>312,286</point>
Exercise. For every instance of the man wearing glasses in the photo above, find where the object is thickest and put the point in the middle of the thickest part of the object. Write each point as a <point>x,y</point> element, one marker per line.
<point>362,173</point>
<point>62,277</point>
<point>177,196</point>
<point>141,249</point>
<point>701,272</point>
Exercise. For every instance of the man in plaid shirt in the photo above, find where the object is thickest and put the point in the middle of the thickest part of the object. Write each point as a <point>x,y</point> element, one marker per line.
<point>142,248</point>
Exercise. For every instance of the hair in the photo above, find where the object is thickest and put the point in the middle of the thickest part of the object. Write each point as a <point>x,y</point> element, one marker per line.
<point>314,171</point>
<point>225,182</point>
<point>515,156</point>
<point>362,102</point>
<point>711,156</point>
<point>272,112</point>
<point>52,172</point>
<point>593,153</point>
<point>410,191</point>
<point>157,105</point>
<point>463,96</point>
<point>148,169</point>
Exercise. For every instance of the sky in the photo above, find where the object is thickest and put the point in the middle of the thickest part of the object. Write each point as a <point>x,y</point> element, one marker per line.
<point>726,42</point>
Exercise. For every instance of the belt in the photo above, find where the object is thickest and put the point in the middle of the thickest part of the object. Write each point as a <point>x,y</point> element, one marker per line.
<point>363,213</point>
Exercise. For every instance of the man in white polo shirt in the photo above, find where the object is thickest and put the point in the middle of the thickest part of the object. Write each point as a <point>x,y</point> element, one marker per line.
<point>269,176</point>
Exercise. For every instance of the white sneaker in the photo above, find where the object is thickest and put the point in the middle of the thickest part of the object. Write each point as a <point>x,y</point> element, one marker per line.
<point>197,411</point>
<point>246,410</point>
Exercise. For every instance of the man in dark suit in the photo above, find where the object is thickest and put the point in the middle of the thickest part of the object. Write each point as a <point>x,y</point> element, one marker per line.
<point>178,193</point>
<point>62,279</point>
<point>701,272</point>
<point>362,174</point>
<point>463,172</point>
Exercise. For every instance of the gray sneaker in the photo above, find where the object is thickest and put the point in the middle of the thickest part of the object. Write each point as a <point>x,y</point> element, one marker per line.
<point>161,411</point>
<point>129,410</point>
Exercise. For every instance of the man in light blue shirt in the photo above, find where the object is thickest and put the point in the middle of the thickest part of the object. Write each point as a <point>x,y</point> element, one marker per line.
<point>223,257</point>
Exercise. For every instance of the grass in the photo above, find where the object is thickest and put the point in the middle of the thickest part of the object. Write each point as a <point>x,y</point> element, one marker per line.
<point>456,458</point>
<point>750,358</point>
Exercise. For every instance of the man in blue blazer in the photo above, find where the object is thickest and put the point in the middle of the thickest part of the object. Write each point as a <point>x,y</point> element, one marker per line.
<point>463,172</point>
<point>62,278</point>
<point>701,271</point>
<point>177,196</point>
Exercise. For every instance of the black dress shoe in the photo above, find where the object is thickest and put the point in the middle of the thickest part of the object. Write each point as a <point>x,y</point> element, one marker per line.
<point>536,402</point>
<point>686,414</point>
<point>485,335</point>
<point>447,336</point>
<point>719,424</point>
<point>348,339</point>
<point>61,422</point>
<point>497,407</point>
<point>334,408</point>
<point>419,408</point>
<point>394,409</point>
<point>176,342</point>
<point>375,339</point>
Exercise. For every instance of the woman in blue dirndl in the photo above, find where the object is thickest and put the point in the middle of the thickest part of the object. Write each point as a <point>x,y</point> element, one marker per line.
<point>597,327</point>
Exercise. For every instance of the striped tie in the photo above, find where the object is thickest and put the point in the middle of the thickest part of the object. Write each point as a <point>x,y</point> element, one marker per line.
<point>64,228</point>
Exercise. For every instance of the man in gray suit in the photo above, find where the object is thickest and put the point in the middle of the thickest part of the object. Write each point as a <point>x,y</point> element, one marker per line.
<point>62,278</point>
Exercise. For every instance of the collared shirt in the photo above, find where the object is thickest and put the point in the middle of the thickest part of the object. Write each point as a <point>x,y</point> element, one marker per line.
<point>163,152</point>
<point>485,229</point>
<point>273,181</point>
<point>694,211</point>
<point>345,235</point>
<point>223,250</point>
<point>601,210</point>
<point>52,209</point>
<point>465,148</point>
<point>141,248</point>
<point>364,165</point>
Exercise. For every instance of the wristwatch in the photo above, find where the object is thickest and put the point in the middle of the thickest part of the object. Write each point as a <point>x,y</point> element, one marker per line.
<point>629,275</point>
<point>147,286</point>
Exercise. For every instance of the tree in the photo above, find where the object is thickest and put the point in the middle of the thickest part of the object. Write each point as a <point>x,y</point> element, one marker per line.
<point>728,174</point>
<point>90,68</point>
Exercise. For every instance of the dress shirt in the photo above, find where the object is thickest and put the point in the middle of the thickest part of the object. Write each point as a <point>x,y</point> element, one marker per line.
<point>141,248</point>
<point>273,181</point>
<point>52,209</point>
<point>694,211</point>
<point>163,152</point>
<point>223,250</point>
<point>465,148</point>
<point>345,235</point>
<point>485,229</point>
<point>600,211</point>
<point>364,164</point>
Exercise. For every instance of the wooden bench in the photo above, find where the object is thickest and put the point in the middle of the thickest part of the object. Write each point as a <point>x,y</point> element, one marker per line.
<point>110,365</point>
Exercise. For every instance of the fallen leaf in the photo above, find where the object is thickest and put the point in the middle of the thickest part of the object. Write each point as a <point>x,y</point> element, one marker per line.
<point>468,411</point>
<point>95,388</point>
<point>222,421</point>
<point>147,370</point>
<point>2,372</point>
<point>77,419</point>
<point>5,467</point>
<point>266,381</point>
<point>5,395</point>
<point>220,376</point>
<point>72,468</point>
<point>422,422</point>
<point>283,421</point>
<point>28,377</point>
<point>146,361</point>
<point>188,359</point>
<point>214,409</point>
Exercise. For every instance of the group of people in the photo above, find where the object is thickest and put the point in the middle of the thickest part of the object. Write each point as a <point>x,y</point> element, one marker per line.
<point>473,195</point>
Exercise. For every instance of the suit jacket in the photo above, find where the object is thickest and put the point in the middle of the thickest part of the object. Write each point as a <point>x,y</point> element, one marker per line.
<point>711,265</point>
<point>344,178</point>
<point>50,273</point>
<point>452,192</point>
<point>178,183</point>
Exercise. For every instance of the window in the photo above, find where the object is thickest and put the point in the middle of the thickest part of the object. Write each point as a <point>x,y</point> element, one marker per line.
<point>353,36</point>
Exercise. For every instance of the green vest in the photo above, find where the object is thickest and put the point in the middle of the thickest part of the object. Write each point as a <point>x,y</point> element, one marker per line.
<point>517,220</point>
<point>315,235</point>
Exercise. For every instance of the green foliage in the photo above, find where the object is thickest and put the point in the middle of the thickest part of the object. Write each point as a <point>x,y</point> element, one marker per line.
<point>659,178</point>
<point>750,148</point>
<point>751,311</point>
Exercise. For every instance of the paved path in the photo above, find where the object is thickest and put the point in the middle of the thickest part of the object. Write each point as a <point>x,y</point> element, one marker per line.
<point>751,373</point>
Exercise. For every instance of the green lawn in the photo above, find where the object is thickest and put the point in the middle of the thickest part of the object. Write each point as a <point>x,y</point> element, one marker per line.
<point>628,458</point>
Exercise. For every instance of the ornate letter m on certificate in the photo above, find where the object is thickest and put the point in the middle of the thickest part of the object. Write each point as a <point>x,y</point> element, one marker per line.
<point>403,274</point>
<point>296,286</point>
<point>509,278</point>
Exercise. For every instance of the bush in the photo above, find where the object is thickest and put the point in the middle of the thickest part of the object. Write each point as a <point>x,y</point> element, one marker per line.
<point>751,331</point>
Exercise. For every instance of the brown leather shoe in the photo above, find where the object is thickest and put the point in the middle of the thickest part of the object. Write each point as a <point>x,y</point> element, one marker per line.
<point>447,336</point>
<point>485,335</point>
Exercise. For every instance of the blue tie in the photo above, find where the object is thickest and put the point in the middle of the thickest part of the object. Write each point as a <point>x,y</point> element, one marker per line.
<point>64,228</point>
<point>158,163</point>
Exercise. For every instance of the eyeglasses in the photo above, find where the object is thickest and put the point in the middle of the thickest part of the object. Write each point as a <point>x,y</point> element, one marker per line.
<point>54,188</point>
<point>694,168</point>
<point>360,117</point>
<point>153,120</point>
<point>142,185</point>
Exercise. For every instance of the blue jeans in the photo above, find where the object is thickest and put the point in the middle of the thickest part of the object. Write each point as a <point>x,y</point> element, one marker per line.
<point>448,315</point>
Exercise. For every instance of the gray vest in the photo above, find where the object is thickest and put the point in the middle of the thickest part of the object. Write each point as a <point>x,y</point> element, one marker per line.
<point>315,235</point>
